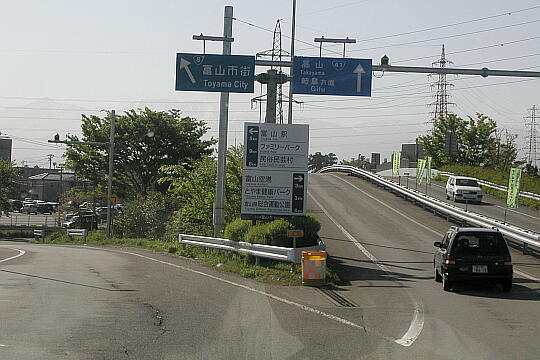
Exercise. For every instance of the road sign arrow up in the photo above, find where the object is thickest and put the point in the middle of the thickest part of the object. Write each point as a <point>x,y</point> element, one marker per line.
<point>359,71</point>
<point>184,64</point>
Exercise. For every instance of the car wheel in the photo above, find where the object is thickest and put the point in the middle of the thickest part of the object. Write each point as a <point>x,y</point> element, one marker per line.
<point>438,278</point>
<point>447,285</point>
<point>507,285</point>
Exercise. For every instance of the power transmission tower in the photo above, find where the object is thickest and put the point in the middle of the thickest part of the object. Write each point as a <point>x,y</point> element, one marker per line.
<point>50,156</point>
<point>441,97</point>
<point>275,54</point>
<point>532,136</point>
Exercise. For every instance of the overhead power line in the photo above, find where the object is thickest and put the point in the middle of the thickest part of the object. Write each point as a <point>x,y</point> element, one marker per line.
<point>446,37</point>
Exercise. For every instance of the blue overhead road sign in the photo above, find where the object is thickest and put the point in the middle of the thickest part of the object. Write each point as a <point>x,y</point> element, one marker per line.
<point>331,76</point>
<point>219,73</point>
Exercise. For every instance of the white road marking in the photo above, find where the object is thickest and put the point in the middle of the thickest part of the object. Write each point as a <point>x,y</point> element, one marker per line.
<point>21,253</point>
<point>525,275</point>
<point>260,292</point>
<point>417,323</point>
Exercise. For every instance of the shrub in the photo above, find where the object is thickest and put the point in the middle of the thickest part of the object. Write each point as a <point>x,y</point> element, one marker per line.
<point>276,233</point>
<point>270,233</point>
<point>310,225</point>
<point>236,230</point>
<point>146,216</point>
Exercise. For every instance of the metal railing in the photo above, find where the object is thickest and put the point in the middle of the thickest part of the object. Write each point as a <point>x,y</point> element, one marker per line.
<point>292,255</point>
<point>450,211</point>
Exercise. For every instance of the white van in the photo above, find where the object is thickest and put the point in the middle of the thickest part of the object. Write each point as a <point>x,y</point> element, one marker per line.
<point>462,188</point>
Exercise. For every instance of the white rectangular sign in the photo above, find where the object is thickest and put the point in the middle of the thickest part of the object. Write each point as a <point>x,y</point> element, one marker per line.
<point>274,192</point>
<point>276,146</point>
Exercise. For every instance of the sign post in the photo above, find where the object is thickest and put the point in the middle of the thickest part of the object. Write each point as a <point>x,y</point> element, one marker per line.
<point>275,170</point>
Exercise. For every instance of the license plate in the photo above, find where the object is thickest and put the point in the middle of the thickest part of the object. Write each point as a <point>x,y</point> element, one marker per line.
<point>479,269</point>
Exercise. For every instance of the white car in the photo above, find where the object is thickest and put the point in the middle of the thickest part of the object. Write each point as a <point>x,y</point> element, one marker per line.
<point>462,188</point>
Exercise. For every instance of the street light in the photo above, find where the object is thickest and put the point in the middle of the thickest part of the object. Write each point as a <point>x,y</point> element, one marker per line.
<point>110,144</point>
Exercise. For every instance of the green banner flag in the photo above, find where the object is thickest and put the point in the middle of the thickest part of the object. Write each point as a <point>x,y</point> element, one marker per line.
<point>428,175</point>
<point>420,167</point>
<point>513,188</point>
<point>396,162</point>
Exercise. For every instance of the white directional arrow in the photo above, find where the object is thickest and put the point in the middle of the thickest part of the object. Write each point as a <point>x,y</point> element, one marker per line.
<point>299,179</point>
<point>253,131</point>
<point>359,71</point>
<point>184,64</point>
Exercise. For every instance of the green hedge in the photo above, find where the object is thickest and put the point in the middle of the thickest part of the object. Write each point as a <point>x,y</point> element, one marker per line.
<point>237,229</point>
<point>10,234</point>
<point>275,232</point>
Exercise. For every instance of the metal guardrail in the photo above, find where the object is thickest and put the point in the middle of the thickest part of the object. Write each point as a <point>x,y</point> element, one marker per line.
<point>450,211</point>
<point>293,255</point>
<point>39,234</point>
<point>77,232</point>
<point>525,194</point>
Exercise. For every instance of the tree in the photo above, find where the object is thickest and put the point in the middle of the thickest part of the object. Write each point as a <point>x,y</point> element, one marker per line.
<point>145,141</point>
<point>475,136</point>
<point>503,152</point>
<point>433,144</point>
<point>476,141</point>
<point>195,191</point>
<point>317,161</point>
<point>8,174</point>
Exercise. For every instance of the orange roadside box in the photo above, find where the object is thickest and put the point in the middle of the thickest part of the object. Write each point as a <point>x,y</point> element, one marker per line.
<point>313,268</point>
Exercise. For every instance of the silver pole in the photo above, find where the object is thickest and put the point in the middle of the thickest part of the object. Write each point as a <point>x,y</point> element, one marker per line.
<point>219,204</point>
<point>111,170</point>
<point>484,72</point>
<point>292,58</point>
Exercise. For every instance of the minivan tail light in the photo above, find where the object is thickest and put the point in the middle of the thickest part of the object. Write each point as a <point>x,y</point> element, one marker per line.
<point>449,262</point>
<point>508,262</point>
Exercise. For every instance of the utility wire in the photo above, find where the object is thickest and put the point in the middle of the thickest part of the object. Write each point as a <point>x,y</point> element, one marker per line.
<point>473,49</point>
<point>446,37</point>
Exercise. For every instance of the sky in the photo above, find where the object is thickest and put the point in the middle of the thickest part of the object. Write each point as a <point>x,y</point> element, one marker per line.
<point>63,58</point>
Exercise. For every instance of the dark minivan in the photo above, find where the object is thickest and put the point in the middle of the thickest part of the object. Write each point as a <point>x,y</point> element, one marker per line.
<point>473,254</point>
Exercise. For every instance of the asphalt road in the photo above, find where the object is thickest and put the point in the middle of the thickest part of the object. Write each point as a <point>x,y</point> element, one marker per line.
<point>492,206</point>
<point>384,245</point>
<point>76,302</point>
<point>66,302</point>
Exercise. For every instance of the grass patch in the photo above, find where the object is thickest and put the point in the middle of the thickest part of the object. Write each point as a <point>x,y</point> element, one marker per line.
<point>268,271</point>
<point>11,234</point>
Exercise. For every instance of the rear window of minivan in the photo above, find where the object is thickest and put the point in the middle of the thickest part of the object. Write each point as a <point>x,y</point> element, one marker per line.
<point>479,243</point>
<point>466,182</point>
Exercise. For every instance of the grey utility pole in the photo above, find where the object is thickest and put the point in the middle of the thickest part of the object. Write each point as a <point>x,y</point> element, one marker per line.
<point>293,29</point>
<point>219,204</point>
<point>111,171</point>
<point>271,78</point>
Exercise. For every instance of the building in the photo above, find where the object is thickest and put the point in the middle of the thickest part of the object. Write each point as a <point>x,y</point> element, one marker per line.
<point>375,160</point>
<point>6,145</point>
<point>412,152</point>
<point>49,186</point>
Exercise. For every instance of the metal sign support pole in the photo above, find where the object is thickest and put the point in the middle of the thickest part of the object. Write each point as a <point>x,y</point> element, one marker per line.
<point>219,203</point>
<point>293,29</point>
<point>111,170</point>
